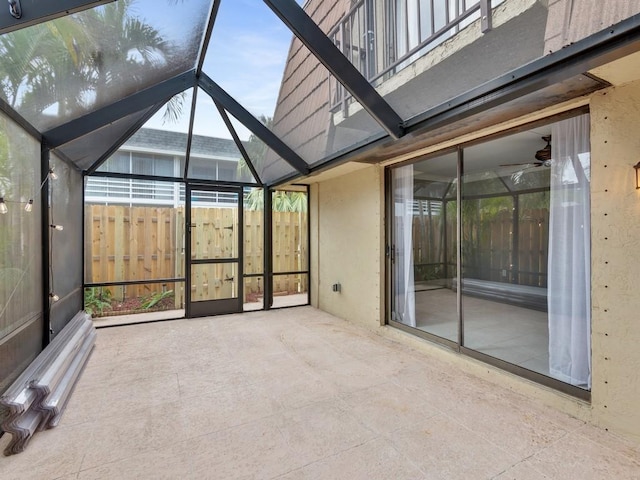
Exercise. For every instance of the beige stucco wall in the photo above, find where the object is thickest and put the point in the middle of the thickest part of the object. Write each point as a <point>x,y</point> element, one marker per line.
<point>346,218</point>
<point>615,259</point>
<point>347,241</point>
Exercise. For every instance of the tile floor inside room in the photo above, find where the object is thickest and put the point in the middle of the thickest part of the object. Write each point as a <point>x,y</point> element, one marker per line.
<point>511,333</point>
<point>300,394</point>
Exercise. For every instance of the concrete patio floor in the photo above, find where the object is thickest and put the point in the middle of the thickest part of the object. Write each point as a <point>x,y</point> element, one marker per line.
<point>300,394</point>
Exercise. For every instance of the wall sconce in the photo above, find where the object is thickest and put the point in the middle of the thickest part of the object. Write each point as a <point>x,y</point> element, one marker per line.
<point>637,167</point>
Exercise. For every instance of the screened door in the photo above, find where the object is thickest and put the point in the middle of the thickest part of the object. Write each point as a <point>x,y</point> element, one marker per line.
<point>214,239</point>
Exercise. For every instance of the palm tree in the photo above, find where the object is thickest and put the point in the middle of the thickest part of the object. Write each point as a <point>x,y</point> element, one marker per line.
<point>282,200</point>
<point>59,71</point>
<point>123,49</point>
<point>17,51</point>
<point>256,151</point>
<point>82,61</point>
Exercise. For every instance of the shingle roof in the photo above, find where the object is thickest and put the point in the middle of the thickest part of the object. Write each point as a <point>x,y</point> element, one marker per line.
<point>162,140</point>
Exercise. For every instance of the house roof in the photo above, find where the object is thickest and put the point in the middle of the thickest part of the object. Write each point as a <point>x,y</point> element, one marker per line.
<point>163,140</point>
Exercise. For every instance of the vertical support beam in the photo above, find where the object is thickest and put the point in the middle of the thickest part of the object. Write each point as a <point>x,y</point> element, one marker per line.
<point>240,237</point>
<point>239,144</point>
<point>268,249</point>
<point>459,250</point>
<point>389,222</point>
<point>45,241</point>
<point>187,250</point>
<point>219,96</point>
<point>485,15</point>
<point>308,191</point>
<point>84,240</point>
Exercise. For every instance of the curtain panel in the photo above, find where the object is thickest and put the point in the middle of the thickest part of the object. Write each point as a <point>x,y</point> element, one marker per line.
<point>570,253</point>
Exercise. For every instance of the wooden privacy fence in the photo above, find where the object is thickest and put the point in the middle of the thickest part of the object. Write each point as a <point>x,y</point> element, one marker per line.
<point>147,243</point>
<point>488,247</point>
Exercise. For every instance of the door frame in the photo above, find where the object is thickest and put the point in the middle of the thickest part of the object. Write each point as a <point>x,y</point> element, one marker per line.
<point>222,306</point>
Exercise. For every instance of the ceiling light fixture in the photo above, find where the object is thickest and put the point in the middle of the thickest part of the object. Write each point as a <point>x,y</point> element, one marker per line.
<point>544,154</point>
<point>15,9</point>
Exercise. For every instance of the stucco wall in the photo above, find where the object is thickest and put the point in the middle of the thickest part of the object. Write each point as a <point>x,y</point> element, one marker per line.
<point>615,214</point>
<point>346,241</point>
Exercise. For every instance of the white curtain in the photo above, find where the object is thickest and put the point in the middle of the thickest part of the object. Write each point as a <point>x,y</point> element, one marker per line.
<point>570,253</point>
<point>404,310</point>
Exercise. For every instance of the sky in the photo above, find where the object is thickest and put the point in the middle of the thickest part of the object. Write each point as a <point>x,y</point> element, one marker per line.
<point>246,57</point>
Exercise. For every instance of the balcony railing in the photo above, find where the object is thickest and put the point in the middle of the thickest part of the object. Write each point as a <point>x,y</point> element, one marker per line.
<point>136,192</point>
<point>382,38</point>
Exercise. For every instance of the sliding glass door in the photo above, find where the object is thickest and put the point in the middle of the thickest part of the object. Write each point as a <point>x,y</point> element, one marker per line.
<point>499,268</point>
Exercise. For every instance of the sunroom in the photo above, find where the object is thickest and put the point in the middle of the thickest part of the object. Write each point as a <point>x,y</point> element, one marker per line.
<point>449,170</point>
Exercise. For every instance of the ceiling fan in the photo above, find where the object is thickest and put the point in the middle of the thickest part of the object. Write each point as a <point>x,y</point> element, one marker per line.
<point>542,156</point>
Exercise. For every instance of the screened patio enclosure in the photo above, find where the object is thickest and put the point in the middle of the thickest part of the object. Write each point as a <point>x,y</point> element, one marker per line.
<point>116,115</point>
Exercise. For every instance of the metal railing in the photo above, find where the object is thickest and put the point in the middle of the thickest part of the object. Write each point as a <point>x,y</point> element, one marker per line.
<point>382,38</point>
<point>135,192</point>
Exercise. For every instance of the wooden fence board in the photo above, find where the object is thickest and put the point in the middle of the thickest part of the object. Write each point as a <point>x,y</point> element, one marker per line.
<point>146,243</point>
<point>492,242</point>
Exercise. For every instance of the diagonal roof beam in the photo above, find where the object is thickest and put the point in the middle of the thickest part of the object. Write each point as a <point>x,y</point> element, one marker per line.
<point>239,144</point>
<point>134,103</point>
<point>207,35</point>
<point>127,135</point>
<point>19,119</point>
<point>221,97</point>
<point>340,67</point>
<point>33,12</point>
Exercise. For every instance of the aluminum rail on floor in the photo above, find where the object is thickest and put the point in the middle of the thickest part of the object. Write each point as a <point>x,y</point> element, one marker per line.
<point>37,398</point>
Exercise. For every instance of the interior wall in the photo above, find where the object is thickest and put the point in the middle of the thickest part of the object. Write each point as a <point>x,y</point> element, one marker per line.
<point>346,243</point>
<point>615,221</point>
<point>66,209</point>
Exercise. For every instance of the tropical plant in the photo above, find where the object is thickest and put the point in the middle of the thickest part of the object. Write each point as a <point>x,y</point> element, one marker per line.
<point>256,150</point>
<point>75,62</point>
<point>123,49</point>
<point>97,300</point>
<point>153,299</point>
<point>282,200</point>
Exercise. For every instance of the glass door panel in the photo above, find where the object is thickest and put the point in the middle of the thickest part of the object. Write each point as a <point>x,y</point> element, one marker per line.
<point>214,217</point>
<point>424,245</point>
